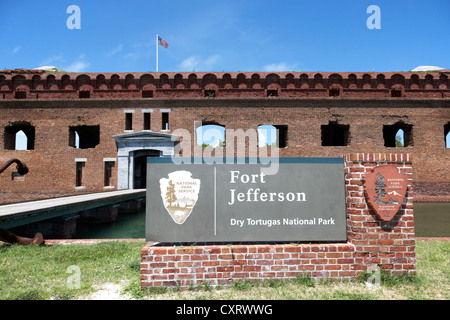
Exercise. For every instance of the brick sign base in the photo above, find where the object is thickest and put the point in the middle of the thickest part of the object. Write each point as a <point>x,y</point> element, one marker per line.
<point>388,245</point>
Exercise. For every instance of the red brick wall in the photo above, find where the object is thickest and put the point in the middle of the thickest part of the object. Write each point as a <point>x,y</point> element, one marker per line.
<point>40,85</point>
<point>371,242</point>
<point>391,244</point>
<point>303,104</point>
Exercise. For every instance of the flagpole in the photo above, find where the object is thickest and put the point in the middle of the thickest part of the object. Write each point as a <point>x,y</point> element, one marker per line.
<point>156,52</point>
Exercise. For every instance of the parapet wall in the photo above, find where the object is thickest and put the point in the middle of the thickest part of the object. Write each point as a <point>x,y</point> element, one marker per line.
<point>35,84</point>
<point>371,243</point>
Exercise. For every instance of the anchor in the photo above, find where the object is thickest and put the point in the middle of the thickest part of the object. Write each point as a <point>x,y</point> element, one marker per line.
<point>7,236</point>
<point>21,167</point>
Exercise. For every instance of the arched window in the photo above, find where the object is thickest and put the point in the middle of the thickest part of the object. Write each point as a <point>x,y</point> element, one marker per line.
<point>77,140</point>
<point>21,141</point>
<point>19,135</point>
<point>398,135</point>
<point>400,138</point>
<point>211,135</point>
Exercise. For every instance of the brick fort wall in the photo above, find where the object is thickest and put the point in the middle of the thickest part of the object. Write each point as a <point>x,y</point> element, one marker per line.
<point>360,108</point>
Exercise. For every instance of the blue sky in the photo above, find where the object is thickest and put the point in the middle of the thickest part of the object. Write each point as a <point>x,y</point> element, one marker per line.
<point>243,35</point>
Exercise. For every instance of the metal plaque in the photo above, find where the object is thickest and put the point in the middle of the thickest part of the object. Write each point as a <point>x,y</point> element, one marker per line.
<point>385,190</point>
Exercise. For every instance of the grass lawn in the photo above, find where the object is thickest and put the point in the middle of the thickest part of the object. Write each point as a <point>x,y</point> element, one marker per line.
<point>77,271</point>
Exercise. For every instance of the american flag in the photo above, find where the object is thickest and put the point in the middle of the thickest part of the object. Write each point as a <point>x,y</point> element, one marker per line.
<point>163,42</point>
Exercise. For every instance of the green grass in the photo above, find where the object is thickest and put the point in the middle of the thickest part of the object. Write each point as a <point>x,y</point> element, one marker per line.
<point>41,273</point>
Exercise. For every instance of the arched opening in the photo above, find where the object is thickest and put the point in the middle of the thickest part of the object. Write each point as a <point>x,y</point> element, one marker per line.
<point>400,138</point>
<point>178,82</point>
<point>100,82</point>
<point>318,81</point>
<point>255,81</point>
<point>241,81</point>
<point>130,82</point>
<point>397,135</point>
<point>21,141</point>
<point>77,140</point>
<point>211,135</point>
<point>19,135</point>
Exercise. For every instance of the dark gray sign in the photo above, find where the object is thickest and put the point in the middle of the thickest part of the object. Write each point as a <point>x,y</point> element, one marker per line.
<point>192,202</point>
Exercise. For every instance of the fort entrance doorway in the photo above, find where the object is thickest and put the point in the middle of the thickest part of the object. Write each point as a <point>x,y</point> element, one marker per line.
<point>140,167</point>
<point>132,152</point>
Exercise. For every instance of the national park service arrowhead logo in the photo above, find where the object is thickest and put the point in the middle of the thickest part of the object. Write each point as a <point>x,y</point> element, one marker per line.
<point>179,193</point>
<point>385,189</point>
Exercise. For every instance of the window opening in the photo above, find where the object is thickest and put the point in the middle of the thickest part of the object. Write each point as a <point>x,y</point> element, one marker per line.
<point>128,121</point>
<point>20,95</point>
<point>210,93</point>
<point>85,94</point>
<point>272,93</point>
<point>84,137</point>
<point>147,93</point>
<point>272,136</point>
<point>396,93</point>
<point>397,135</point>
<point>108,173</point>
<point>334,92</point>
<point>211,135</point>
<point>79,174</point>
<point>19,136</point>
<point>335,134</point>
<point>165,120</point>
<point>267,136</point>
<point>147,120</point>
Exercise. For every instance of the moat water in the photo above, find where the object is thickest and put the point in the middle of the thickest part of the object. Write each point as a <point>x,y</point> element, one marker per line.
<point>431,220</point>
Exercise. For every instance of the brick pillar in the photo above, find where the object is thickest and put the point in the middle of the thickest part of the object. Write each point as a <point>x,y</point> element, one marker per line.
<point>389,245</point>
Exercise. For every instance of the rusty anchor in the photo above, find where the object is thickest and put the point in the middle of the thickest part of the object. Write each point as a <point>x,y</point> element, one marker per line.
<point>7,236</point>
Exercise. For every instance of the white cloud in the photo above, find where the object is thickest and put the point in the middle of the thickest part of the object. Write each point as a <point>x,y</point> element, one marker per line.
<point>114,51</point>
<point>279,67</point>
<point>137,55</point>
<point>16,49</point>
<point>189,64</point>
<point>196,63</point>
<point>79,65</point>
<point>52,59</point>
